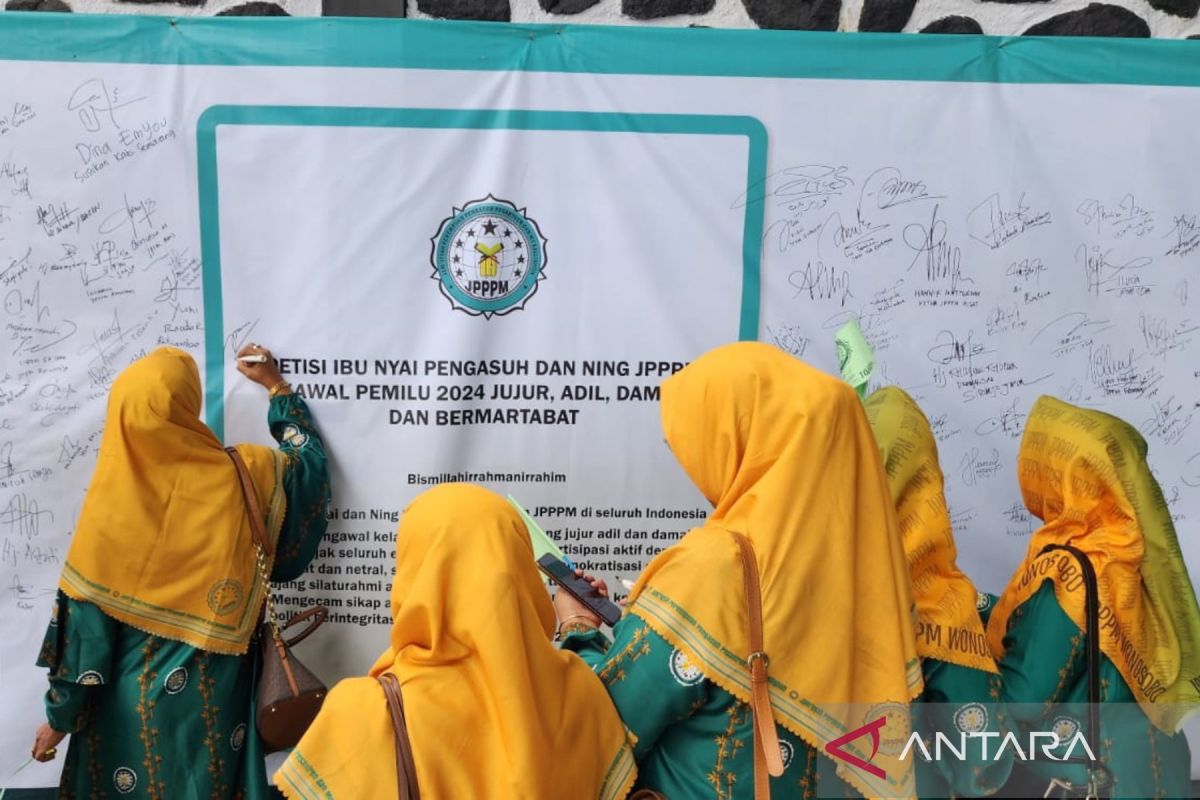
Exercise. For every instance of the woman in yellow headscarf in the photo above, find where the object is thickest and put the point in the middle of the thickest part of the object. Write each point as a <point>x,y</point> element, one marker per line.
<point>784,454</point>
<point>148,646</point>
<point>962,684</point>
<point>1084,474</point>
<point>493,709</point>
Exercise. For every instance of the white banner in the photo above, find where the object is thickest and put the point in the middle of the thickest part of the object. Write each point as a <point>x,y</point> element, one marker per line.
<point>478,250</point>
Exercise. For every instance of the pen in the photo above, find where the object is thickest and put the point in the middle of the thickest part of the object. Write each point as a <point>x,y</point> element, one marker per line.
<point>28,761</point>
<point>625,583</point>
<point>257,358</point>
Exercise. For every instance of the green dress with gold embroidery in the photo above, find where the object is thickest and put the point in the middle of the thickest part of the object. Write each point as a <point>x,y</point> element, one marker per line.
<point>1044,673</point>
<point>955,698</point>
<point>694,739</point>
<point>959,700</point>
<point>159,719</point>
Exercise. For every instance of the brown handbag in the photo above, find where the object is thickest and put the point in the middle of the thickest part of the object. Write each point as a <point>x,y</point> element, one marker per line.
<point>289,695</point>
<point>768,760</point>
<point>406,770</point>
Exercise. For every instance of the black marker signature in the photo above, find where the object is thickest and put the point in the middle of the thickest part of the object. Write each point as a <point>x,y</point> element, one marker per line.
<point>96,103</point>
<point>943,261</point>
<point>993,225</point>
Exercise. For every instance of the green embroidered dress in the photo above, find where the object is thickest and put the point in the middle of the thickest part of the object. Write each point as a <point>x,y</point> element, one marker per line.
<point>158,719</point>
<point>694,739</point>
<point>1044,672</point>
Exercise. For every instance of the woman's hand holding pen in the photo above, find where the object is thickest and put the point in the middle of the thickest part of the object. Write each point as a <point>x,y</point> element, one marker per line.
<point>256,363</point>
<point>45,742</point>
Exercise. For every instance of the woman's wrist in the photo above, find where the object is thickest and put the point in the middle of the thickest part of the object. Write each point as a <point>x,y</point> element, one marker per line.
<point>278,389</point>
<point>576,623</point>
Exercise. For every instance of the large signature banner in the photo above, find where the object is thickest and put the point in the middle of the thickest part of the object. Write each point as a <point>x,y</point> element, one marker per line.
<point>478,249</point>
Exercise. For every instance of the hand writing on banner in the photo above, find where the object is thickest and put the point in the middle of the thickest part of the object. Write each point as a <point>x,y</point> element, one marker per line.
<point>264,373</point>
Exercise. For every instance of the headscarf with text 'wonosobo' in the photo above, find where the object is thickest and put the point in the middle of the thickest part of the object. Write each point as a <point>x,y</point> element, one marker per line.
<point>785,455</point>
<point>163,542</point>
<point>948,624</point>
<point>1084,474</point>
<point>493,708</point>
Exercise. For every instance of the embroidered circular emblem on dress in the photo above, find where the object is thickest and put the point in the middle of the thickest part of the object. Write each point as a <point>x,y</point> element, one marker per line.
<point>683,670</point>
<point>54,615</point>
<point>1065,729</point>
<point>971,718</point>
<point>981,601</point>
<point>224,597</point>
<point>125,780</point>
<point>488,257</point>
<point>175,681</point>
<point>294,436</point>
<point>895,731</point>
<point>786,752</point>
<point>238,737</point>
<point>90,678</point>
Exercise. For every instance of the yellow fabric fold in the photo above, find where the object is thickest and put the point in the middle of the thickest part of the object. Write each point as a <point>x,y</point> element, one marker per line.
<point>785,455</point>
<point>163,541</point>
<point>1084,474</point>
<point>494,709</point>
<point>948,624</point>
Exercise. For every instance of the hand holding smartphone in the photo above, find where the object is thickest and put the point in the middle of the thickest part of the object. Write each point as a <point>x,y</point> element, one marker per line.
<point>580,589</point>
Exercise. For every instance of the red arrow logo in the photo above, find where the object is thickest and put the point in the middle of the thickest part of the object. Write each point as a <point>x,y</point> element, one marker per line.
<point>834,748</point>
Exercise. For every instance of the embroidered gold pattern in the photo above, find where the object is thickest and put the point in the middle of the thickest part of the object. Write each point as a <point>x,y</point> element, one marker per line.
<point>614,670</point>
<point>1065,670</point>
<point>728,745</point>
<point>93,764</point>
<point>151,761</point>
<point>205,685</point>
<point>808,780</point>
<point>1155,761</point>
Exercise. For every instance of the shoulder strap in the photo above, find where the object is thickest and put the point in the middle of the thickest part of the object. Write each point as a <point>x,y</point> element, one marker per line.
<point>258,528</point>
<point>1091,611</point>
<point>406,770</point>
<point>768,760</point>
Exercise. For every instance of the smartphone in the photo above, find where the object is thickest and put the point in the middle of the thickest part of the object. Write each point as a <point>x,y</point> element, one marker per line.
<point>580,589</point>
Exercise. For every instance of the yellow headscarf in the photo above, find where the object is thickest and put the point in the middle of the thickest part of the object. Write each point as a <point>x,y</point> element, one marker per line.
<point>1084,474</point>
<point>948,625</point>
<point>163,542</point>
<point>785,455</point>
<point>494,709</point>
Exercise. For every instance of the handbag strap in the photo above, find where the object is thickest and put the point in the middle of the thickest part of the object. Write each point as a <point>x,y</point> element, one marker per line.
<point>1091,611</point>
<point>258,528</point>
<point>406,770</point>
<point>262,547</point>
<point>768,759</point>
<point>315,616</point>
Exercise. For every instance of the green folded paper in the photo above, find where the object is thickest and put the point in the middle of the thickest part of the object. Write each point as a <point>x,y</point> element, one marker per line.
<point>542,544</point>
<point>856,357</point>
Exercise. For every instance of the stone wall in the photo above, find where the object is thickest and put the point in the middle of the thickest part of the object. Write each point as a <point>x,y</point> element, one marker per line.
<point>1139,18</point>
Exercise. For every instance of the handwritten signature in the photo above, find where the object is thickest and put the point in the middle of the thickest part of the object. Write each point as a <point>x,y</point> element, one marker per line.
<point>993,225</point>
<point>96,103</point>
<point>821,282</point>
<point>943,261</point>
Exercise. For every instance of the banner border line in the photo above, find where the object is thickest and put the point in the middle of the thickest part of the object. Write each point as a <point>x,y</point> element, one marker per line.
<point>595,49</point>
<point>208,189</point>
